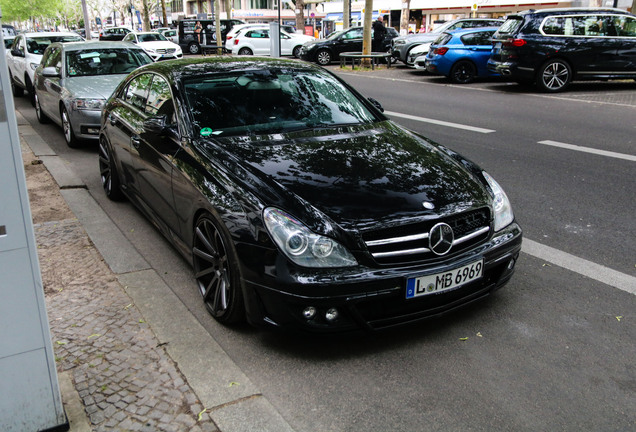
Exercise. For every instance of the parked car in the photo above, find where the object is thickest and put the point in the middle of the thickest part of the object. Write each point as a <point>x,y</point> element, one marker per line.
<point>25,55</point>
<point>256,41</point>
<point>74,80</point>
<point>156,45</point>
<point>297,201</point>
<point>193,44</point>
<point>462,55</point>
<point>402,45</point>
<point>553,47</point>
<point>170,34</point>
<point>418,53</point>
<point>8,43</point>
<point>114,33</point>
<point>324,51</point>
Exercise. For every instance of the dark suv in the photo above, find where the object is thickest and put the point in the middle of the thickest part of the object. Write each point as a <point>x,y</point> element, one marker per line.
<point>552,47</point>
<point>324,51</point>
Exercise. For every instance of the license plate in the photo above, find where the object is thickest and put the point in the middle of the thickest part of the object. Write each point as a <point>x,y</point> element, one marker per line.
<point>436,283</point>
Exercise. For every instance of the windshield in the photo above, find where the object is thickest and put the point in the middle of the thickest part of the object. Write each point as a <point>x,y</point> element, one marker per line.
<point>37,45</point>
<point>271,101</point>
<point>151,37</point>
<point>107,61</point>
<point>335,34</point>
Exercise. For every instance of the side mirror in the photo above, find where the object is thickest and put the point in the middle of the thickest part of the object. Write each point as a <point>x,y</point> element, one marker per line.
<point>17,53</point>
<point>376,104</point>
<point>50,72</point>
<point>156,125</point>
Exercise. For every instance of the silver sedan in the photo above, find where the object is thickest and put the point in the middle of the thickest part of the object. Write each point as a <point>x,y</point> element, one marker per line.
<point>74,80</point>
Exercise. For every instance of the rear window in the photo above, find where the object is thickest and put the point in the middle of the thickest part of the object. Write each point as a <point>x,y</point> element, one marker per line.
<point>443,39</point>
<point>478,38</point>
<point>511,25</point>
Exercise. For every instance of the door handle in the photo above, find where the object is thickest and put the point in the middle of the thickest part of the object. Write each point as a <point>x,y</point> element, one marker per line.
<point>134,140</point>
<point>112,120</point>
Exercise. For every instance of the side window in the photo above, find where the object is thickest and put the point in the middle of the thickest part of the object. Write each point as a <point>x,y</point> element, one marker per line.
<point>626,26</point>
<point>137,91</point>
<point>160,100</point>
<point>53,58</point>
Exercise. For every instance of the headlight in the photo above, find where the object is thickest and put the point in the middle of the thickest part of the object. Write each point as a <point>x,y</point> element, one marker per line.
<point>150,50</point>
<point>34,66</point>
<point>88,104</point>
<point>301,245</point>
<point>500,203</point>
<point>399,41</point>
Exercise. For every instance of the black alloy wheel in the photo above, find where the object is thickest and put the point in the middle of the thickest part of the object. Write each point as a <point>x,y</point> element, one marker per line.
<point>67,128</point>
<point>245,51</point>
<point>42,118</point>
<point>216,271</point>
<point>463,72</point>
<point>554,76</point>
<point>296,51</point>
<point>108,173</point>
<point>323,57</point>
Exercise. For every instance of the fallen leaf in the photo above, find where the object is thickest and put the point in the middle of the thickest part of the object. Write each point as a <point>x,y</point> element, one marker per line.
<point>94,335</point>
<point>463,339</point>
<point>61,343</point>
<point>232,384</point>
<point>479,334</point>
<point>201,414</point>
<point>619,318</point>
<point>546,265</point>
<point>141,321</point>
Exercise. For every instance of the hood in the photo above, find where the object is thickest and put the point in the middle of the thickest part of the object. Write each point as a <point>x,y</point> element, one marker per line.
<point>371,173</point>
<point>155,45</point>
<point>98,86</point>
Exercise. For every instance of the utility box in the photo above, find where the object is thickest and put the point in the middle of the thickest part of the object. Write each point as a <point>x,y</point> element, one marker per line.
<point>30,398</point>
<point>274,39</point>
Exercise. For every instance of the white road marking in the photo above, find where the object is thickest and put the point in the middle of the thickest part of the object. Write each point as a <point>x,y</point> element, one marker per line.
<point>589,150</point>
<point>439,122</point>
<point>581,266</point>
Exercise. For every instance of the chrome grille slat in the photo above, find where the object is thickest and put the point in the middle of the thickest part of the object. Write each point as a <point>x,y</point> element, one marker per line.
<point>409,243</point>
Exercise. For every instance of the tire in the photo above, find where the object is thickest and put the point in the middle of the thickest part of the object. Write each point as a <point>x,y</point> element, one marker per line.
<point>16,90</point>
<point>42,118</point>
<point>30,90</point>
<point>194,48</point>
<point>296,51</point>
<point>245,51</point>
<point>67,128</point>
<point>323,57</point>
<point>554,76</point>
<point>108,173</point>
<point>463,72</point>
<point>216,270</point>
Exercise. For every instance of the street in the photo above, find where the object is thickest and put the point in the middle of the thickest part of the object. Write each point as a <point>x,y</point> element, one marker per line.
<point>553,350</point>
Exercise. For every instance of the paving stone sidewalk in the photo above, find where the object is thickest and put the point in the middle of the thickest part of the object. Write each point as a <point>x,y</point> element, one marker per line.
<point>126,381</point>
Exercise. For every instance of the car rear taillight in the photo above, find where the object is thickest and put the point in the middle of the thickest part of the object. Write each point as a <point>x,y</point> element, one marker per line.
<point>235,41</point>
<point>515,42</point>
<point>440,51</point>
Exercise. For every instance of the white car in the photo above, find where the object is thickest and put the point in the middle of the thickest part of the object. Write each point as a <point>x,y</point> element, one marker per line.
<point>418,51</point>
<point>170,34</point>
<point>255,41</point>
<point>26,54</point>
<point>156,45</point>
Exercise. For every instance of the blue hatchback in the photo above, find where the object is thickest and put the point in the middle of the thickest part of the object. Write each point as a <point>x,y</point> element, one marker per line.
<point>461,55</point>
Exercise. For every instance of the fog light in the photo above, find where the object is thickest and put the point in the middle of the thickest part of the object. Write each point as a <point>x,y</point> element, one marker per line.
<point>309,312</point>
<point>332,314</point>
<point>511,264</point>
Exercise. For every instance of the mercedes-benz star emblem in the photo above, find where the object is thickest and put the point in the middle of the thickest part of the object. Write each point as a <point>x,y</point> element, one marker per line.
<point>440,238</point>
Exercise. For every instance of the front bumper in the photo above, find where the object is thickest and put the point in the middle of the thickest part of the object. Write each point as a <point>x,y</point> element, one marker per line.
<point>86,123</point>
<point>375,298</point>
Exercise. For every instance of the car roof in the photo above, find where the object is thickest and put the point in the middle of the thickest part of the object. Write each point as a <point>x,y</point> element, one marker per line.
<point>49,34</point>
<point>197,66</point>
<point>471,30</point>
<point>76,46</point>
<point>573,10</point>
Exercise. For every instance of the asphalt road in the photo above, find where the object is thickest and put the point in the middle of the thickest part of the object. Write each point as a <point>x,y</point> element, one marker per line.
<point>554,350</point>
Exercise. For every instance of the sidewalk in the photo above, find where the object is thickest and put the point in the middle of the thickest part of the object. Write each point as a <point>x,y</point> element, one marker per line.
<point>124,353</point>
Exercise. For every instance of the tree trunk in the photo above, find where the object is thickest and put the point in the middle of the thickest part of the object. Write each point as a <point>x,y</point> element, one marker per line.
<point>217,25</point>
<point>228,9</point>
<point>404,18</point>
<point>346,14</point>
<point>146,16</point>
<point>366,38</point>
<point>300,15</point>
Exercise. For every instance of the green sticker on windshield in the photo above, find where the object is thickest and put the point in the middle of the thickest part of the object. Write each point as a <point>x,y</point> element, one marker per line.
<point>206,131</point>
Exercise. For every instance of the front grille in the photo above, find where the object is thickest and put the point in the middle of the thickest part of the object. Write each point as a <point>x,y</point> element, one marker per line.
<point>409,243</point>
<point>166,50</point>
